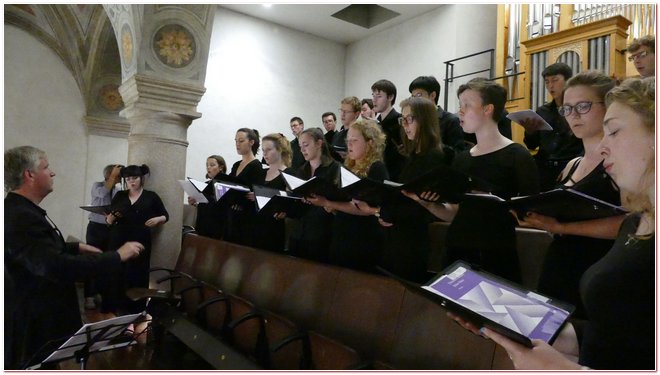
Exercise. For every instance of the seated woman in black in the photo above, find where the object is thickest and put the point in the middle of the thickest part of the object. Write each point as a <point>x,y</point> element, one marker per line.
<point>311,235</point>
<point>578,245</point>
<point>482,231</point>
<point>357,237</point>
<point>270,233</point>
<point>618,291</point>
<point>407,244</point>
<point>135,211</point>
<point>240,223</point>
<point>211,216</point>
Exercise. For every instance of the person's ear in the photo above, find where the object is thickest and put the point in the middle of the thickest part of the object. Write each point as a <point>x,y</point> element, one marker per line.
<point>488,110</point>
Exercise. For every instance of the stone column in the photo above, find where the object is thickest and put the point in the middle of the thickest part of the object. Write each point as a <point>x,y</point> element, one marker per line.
<point>159,112</point>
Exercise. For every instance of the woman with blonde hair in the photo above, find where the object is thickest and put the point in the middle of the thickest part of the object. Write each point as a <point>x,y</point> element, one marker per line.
<point>357,238</point>
<point>270,233</point>
<point>618,291</point>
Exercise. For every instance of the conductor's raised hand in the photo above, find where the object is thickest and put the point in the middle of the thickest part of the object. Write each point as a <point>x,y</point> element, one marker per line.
<point>130,250</point>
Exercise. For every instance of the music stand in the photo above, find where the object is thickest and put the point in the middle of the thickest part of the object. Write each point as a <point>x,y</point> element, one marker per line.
<point>95,337</point>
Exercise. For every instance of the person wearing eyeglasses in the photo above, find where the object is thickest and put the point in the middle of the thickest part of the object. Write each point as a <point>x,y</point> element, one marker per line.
<point>41,303</point>
<point>558,146</point>
<point>482,231</point>
<point>450,126</point>
<point>578,245</point>
<point>348,113</point>
<point>407,245</point>
<point>642,54</point>
<point>619,291</point>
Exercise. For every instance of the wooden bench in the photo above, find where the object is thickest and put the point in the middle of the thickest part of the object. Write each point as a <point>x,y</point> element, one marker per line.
<point>388,326</point>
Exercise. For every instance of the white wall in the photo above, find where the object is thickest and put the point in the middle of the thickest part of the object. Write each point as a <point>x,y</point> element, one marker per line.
<point>44,108</point>
<point>419,47</point>
<point>260,75</point>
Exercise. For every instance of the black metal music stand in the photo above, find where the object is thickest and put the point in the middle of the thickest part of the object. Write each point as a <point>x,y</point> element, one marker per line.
<point>95,337</point>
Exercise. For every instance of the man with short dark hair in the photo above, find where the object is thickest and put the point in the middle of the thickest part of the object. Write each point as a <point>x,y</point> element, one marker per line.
<point>642,54</point>
<point>451,133</point>
<point>558,146</point>
<point>383,94</point>
<point>297,127</point>
<point>41,268</point>
<point>330,124</point>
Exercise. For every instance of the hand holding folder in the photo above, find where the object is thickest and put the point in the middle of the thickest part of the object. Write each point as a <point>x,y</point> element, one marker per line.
<point>565,205</point>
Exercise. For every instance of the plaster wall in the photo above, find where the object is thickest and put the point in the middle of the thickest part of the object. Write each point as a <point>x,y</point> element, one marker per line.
<point>420,46</point>
<point>44,108</point>
<point>259,75</point>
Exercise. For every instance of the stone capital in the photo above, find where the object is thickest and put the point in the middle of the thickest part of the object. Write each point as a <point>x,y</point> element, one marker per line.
<point>142,92</point>
<point>108,127</point>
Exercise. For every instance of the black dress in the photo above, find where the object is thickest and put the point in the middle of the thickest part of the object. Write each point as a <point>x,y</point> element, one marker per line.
<point>483,231</point>
<point>407,247</point>
<point>211,216</point>
<point>311,235</point>
<point>242,211</point>
<point>569,256</point>
<point>270,233</point>
<point>130,227</point>
<point>618,293</point>
<point>357,241</point>
<point>41,305</point>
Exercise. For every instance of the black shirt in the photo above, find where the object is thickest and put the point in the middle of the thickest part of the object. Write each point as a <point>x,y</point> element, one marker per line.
<point>619,295</point>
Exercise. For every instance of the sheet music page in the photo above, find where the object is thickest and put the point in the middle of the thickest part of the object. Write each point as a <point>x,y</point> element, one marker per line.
<point>200,185</point>
<point>192,191</point>
<point>347,177</point>
<point>293,181</point>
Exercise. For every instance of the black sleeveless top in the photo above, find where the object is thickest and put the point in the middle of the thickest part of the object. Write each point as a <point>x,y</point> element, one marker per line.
<point>569,256</point>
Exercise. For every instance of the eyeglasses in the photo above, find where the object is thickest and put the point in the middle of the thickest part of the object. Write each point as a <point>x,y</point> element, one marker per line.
<point>406,120</point>
<point>636,56</point>
<point>580,107</point>
<point>417,95</point>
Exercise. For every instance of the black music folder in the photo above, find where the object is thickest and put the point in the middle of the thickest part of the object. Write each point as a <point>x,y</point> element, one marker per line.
<point>450,184</point>
<point>565,205</point>
<point>230,189</point>
<point>316,186</point>
<point>271,201</point>
<point>101,210</point>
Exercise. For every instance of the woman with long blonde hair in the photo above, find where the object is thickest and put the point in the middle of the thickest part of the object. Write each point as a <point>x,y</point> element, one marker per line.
<point>357,238</point>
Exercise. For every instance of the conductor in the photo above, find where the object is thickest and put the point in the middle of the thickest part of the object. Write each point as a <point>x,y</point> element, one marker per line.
<point>41,306</point>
